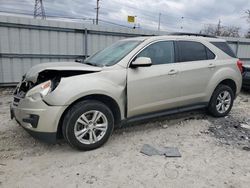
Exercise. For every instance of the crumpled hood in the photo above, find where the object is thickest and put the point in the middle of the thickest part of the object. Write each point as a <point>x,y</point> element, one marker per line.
<point>33,73</point>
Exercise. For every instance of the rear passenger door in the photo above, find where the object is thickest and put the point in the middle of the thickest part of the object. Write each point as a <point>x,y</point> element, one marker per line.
<point>197,67</point>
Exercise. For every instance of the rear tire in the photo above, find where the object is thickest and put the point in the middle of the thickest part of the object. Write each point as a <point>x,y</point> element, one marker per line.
<point>221,101</point>
<point>88,125</point>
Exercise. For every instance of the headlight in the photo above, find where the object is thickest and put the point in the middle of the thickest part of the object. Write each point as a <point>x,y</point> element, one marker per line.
<point>40,90</point>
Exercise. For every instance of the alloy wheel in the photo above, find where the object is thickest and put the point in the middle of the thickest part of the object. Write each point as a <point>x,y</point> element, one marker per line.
<point>91,127</point>
<point>223,102</point>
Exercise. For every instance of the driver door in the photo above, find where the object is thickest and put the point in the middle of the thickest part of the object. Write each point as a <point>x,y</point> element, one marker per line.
<point>154,88</point>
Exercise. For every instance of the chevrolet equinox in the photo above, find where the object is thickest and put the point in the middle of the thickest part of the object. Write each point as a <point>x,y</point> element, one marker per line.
<point>132,79</point>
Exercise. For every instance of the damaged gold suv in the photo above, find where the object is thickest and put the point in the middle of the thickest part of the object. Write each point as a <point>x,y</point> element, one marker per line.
<point>133,79</point>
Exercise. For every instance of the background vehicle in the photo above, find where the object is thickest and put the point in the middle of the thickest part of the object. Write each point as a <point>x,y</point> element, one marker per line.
<point>133,79</point>
<point>246,77</point>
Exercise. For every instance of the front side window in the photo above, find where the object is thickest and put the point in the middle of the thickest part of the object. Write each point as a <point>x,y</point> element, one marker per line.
<point>159,52</point>
<point>191,51</point>
<point>112,54</point>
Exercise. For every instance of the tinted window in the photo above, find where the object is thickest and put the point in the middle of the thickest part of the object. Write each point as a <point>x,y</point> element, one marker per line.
<point>210,55</point>
<point>225,48</point>
<point>191,51</point>
<point>159,53</point>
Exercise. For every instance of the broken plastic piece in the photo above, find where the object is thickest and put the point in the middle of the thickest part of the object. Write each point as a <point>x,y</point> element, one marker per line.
<point>172,152</point>
<point>167,151</point>
<point>149,150</point>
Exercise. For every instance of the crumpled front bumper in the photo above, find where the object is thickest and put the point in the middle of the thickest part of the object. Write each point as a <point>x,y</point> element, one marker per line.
<point>38,118</point>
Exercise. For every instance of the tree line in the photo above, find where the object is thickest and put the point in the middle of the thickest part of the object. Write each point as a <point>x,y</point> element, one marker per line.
<point>225,31</point>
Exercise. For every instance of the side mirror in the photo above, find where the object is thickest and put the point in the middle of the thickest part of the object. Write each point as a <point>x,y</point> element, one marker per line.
<point>79,60</point>
<point>142,62</point>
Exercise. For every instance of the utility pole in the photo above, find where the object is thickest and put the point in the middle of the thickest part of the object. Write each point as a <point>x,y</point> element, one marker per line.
<point>182,19</point>
<point>159,22</point>
<point>39,10</point>
<point>248,15</point>
<point>218,32</point>
<point>248,20</point>
<point>97,11</point>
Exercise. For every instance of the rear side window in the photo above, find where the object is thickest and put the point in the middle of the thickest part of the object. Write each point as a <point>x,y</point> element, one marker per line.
<point>210,55</point>
<point>225,48</point>
<point>193,51</point>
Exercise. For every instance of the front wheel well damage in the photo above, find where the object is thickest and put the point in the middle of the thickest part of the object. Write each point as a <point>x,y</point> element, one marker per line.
<point>108,101</point>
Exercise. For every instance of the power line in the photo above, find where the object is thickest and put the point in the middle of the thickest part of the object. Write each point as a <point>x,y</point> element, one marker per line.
<point>53,16</point>
<point>21,12</point>
<point>171,25</point>
<point>65,17</point>
<point>112,23</point>
<point>146,14</point>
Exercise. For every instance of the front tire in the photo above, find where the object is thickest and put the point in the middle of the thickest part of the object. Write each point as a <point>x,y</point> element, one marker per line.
<point>221,101</point>
<point>88,125</point>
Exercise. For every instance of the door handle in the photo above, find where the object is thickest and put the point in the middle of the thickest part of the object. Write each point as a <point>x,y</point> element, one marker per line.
<point>172,72</point>
<point>211,65</point>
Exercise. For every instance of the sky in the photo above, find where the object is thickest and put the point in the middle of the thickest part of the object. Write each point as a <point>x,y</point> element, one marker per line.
<point>176,15</point>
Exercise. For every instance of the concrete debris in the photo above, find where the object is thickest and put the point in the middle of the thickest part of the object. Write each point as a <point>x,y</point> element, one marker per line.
<point>246,126</point>
<point>172,152</point>
<point>164,126</point>
<point>246,148</point>
<point>232,130</point>
<point>167,151</point>
<point>245,100</point>
<point>149,150</point>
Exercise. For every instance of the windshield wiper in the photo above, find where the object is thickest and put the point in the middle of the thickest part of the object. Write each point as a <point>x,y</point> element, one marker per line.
<point>92,64</point>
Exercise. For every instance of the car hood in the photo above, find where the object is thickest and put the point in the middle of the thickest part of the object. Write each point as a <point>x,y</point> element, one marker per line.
<point>33,73</point>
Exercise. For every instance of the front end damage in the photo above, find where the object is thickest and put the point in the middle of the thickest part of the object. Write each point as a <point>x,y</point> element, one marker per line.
<point>28,107</point>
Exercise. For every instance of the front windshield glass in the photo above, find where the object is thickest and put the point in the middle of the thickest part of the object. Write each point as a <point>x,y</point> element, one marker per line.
<point>112,54</point>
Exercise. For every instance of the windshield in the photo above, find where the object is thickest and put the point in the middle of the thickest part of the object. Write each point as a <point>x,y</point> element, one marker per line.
<point>112,54</point>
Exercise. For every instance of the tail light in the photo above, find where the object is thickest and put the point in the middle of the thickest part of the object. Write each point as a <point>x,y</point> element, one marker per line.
<point>240,65</point>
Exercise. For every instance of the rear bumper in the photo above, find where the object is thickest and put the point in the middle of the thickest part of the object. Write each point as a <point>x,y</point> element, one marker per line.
<point>37,118</point>
<point>246,85</point>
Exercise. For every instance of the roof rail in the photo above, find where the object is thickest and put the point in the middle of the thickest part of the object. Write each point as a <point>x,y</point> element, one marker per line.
<point>193,34</point>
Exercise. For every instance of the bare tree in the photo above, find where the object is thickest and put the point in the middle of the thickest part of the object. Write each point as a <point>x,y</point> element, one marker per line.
<point>248,20</point>
<point>248,15</point>
<point>247,35</point>
<point>230,31</point>
<point>219,30</point>
<point>208,29</point>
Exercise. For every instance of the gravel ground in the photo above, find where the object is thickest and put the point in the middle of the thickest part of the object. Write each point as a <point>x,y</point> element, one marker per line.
<point>214,153</point>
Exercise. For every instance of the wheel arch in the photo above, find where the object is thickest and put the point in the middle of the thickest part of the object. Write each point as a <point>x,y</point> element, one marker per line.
<point>231,83</point>
<point>107,100</point>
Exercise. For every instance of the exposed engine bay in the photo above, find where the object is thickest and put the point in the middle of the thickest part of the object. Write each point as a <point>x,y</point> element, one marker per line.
<point>53,75</point>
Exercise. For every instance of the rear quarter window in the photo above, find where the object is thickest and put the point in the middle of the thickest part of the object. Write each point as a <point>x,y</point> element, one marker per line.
<point>225,48</point>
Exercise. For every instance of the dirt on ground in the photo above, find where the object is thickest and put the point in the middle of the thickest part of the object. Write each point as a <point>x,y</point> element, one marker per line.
<point>215,153</point>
